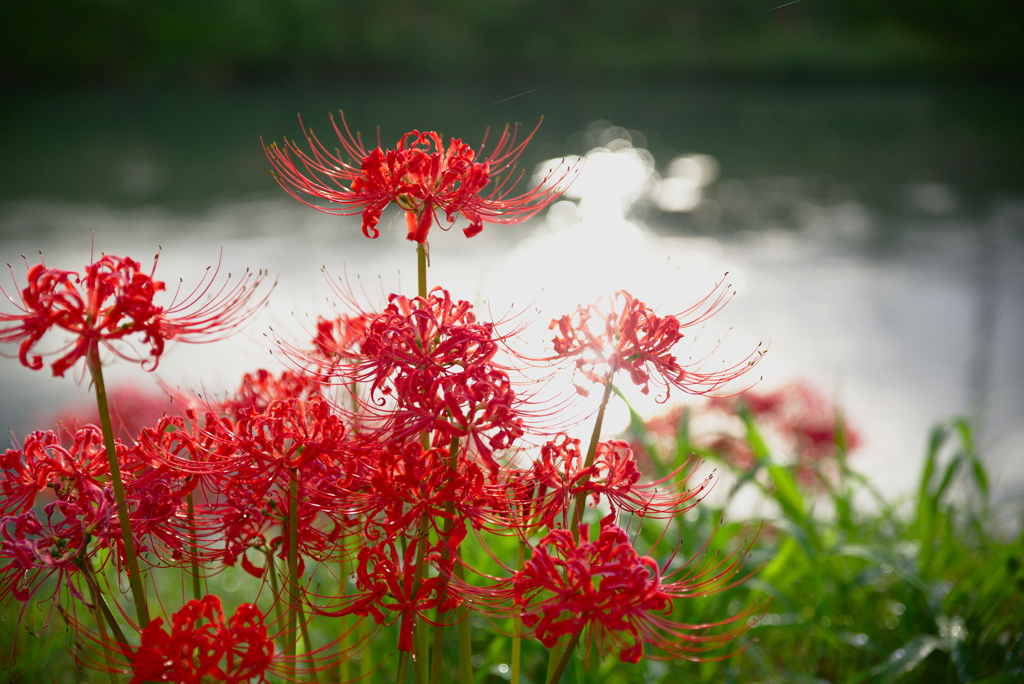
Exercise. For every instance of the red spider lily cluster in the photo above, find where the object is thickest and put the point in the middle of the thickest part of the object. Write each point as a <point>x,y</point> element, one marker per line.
<point>111,302</point>
<point>203,646</point>
<point>419,175</point>
<point>396,437</point>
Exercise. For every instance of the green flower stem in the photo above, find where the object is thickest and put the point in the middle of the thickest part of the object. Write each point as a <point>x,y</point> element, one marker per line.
<point>556,676</point>
<point>366,651</point>
<point>403,667</point>
<point>100,625</point>
<point>307,644</point>
<point>342,671</point>
<point>421,269</point>
<point>421,671</point>
<point>197,578</point>
<point>134,577</point>
<point>462,628</point>
<point>293,570</point>
<point>517,625</point>
<point>559,653</point>
<point>102,609</point>
<point>555,656</point>
<point>439,615</point>
<point>595,437</point>
<point>274,586</point>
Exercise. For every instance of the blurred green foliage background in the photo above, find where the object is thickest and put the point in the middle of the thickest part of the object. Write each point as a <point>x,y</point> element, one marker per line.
<point>219,42</point>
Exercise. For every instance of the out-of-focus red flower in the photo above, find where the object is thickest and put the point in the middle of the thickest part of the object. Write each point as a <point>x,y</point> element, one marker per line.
<point>808,425</point>
<point>420,175</point>
<point>261,389</point>
<point>111,302</point>
<point>132,409</point>
<point>623,333</point>
<point>203,646</point>
<point>339,335</point>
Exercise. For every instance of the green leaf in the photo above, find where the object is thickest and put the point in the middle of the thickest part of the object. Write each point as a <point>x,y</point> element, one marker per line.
<point>787,493</point>
<point>1004,678</point>
<point>901,661</point>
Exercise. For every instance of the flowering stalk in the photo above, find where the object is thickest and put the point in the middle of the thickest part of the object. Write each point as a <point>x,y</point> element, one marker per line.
<point>595,437</point>
<point>422,672</point>
<point>307,644</point>
<point>193,549</point>
<point>462,629</point>
<point>517,623</point>
<point>134,577</point>
<point>274,585</point>
<point>366,652</point>
<point>101,625</point>
<point>439,614</point>
<point>293,567</point>
<point>421,269</point>
<point>342,671</point>
<point>556,675</point>
<point>559,653</point>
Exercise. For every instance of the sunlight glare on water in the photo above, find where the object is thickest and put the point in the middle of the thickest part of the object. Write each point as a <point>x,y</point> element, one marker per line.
<point>890,339</point>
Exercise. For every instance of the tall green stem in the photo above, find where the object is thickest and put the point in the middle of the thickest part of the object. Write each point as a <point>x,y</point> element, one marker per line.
<point>517,626</point>
<point>307,644</point>
<point>556,676</point>
<point>558,655</point>
<point>421,269</point>
<point>439,615</point>
<point>134,576</point>
<point>462,627</point>
<point>366,651</point>
<point>342,671</point>
<point>197,587</point>
<point>293,569</point>
<point>274,586</point>
<point>421,670</point>
<point>403,667</point>
<point>595,437</point>
<point>98,603</point>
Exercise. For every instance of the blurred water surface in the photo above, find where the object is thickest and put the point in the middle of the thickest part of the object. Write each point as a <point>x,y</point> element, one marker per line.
<point>874,234</point>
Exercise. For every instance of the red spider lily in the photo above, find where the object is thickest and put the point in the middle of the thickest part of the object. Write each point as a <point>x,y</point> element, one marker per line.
<point>203,646</point>
<point>419,175</point>
<point>541,495</point>
<point>35,550</point>
<point>113,301</point>
<point>435,363</point>
<point>289,434</point>
<point>623,333</point>
<point>408,483</point>
<point>384,572</point>
<point>616,477</point>
<point>805,417</point>
<point>42,462</point>
<point>622,598</point>
<point>243,471</point>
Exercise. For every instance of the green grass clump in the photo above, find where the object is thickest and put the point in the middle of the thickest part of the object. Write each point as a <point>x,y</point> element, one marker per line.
<point>926,589</point>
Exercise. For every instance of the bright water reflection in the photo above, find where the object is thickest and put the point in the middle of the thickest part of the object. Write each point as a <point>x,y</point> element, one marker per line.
<point>935,329</point>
